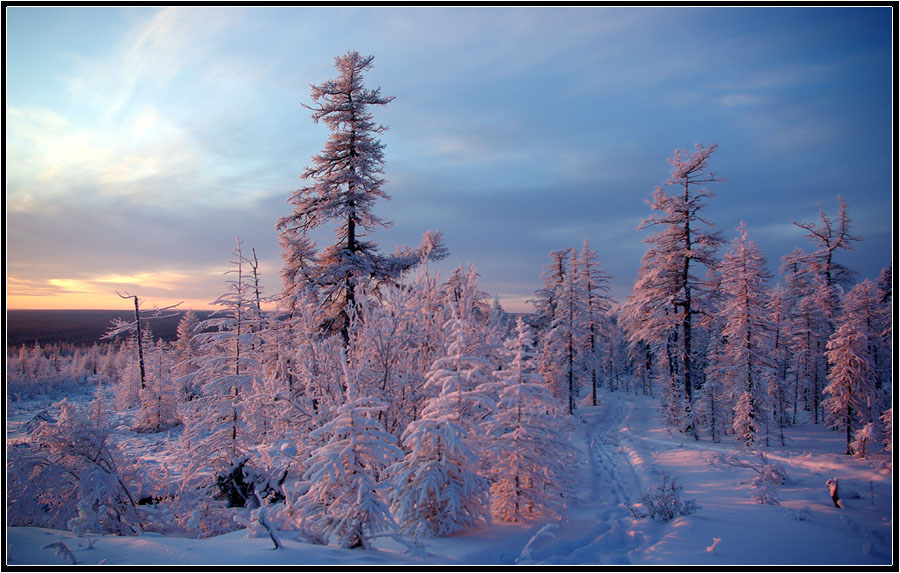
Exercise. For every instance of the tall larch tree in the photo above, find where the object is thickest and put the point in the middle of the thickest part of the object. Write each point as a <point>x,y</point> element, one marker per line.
<point>827,275</point>
<point>685,242</point>
<point>345,182</point>
<point>594,284</point>
<point>779,308</point>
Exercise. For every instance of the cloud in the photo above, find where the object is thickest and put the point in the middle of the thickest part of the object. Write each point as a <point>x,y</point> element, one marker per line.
<point>768,76</point>
<point>17,286</point>
<point>150,56</point>
<point>161,286</point>
<point>741,100</point>
<point>131,130</point>
<point>72,286</point>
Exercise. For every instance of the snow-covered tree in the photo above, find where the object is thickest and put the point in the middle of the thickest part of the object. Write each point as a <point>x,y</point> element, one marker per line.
<point>668,293</point>
<point>437,488</point>
<point>864,439</point>
<point>315,385</point>
<point>186,350</point>
<point>158,403</point>
<point>640,360</point>
<point>387,343</point>
<point>823,297</point>
<point>862,306</point>
<point>547,298</point>
<point>344,502</point>
<point>851,387</point>
<point>567,331</point>
<point>345,183</point>
<point>456,380</point>
<point>713,401</point>
<point>561,307</point>
<point>529,455</point>
<point>747,332</point>
<point>215,436</point>
<point>594,285</point>
<point>828,238</point>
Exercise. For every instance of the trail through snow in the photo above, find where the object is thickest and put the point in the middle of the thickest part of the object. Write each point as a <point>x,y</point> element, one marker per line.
<point>601,527</point>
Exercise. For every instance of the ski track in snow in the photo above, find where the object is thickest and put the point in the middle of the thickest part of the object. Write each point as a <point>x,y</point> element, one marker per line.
<point>602,525</point>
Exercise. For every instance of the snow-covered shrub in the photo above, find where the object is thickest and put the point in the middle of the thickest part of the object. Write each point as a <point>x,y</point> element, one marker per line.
<point>235,485</point>
<point>258,524</point>
<point>344,499</point>
<point>863,439</point>
<point>203,518</point>
<point>71,476</point>
<point>767,475</point>
<point>62,550</point>
<point>664,502</point>
<point>436,487</point>
<point>763,492</point>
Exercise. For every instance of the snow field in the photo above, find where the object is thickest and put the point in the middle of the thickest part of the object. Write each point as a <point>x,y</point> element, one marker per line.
<point>625,450</point>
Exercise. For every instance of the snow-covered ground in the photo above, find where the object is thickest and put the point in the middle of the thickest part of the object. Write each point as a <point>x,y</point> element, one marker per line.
<point>626,450</point>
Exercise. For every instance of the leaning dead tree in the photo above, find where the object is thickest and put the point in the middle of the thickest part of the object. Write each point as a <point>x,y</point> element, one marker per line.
<point>120,326</point>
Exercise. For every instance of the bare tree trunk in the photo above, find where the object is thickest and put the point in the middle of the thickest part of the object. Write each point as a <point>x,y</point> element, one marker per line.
<point>140,342</point>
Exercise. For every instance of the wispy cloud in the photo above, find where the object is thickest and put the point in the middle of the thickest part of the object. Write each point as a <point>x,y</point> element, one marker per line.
<point>151,56</point>
<point>21,287</point>
<point>741,100</point>
<point>131,130</point>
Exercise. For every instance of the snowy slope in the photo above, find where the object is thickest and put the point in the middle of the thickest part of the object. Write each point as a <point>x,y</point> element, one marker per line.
<point>625,451</point>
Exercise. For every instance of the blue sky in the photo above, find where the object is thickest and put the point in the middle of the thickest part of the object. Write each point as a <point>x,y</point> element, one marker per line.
<point>142,140</point>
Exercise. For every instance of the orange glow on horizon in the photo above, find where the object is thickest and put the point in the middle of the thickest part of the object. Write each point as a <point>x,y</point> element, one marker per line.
<point>195,288</point>
<point>99,301</point>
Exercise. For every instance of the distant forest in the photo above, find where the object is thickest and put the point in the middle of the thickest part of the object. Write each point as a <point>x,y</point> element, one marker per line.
<point>78,326</point>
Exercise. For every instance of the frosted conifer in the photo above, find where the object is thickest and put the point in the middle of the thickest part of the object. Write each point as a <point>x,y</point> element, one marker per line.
<point>851,387</point>
<point>667,293</point>
<point>344,501</point>
<point>345,183</point>
<point>748,335</point>
<point>529,455</point>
